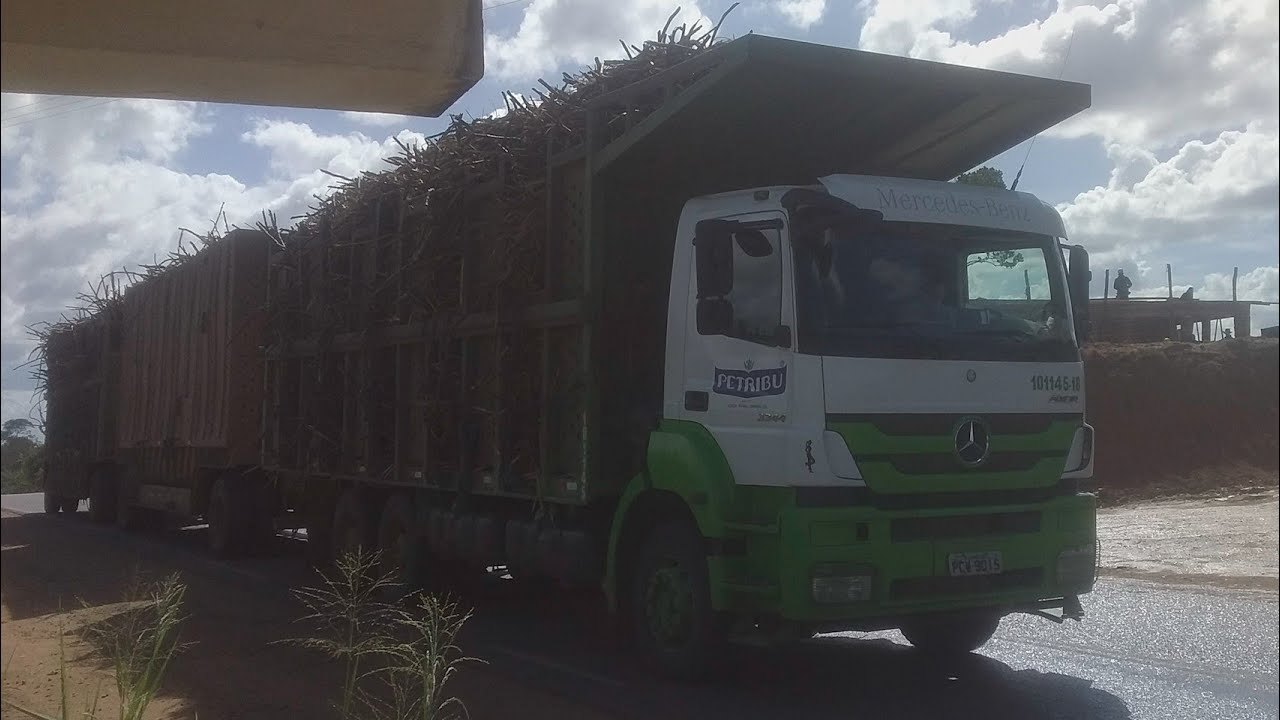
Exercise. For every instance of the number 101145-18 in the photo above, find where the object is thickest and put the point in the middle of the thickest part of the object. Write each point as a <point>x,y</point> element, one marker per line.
<point>1056,383</point>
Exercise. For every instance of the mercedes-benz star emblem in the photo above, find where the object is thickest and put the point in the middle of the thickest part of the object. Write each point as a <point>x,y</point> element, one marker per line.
<point>973,441</point>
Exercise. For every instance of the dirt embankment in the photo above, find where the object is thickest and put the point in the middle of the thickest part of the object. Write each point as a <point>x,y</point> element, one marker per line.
<point>1182,417</point>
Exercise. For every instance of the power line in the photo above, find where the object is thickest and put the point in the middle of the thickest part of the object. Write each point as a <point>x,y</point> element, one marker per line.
<point>45,103</point>
<point>504,3</point>
<point>63,112</point>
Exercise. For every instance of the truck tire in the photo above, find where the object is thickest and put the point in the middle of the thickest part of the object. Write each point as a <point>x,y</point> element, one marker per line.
<point>102,496</point>
<point>319,523</point>
<point>399,547</point>
<point>355,524</point>
<point>230,516</point>
<point>951,634</point>
<point>70,505</point>
<point>676,629</point>
<point>128,516</point>
<point>52,503</point>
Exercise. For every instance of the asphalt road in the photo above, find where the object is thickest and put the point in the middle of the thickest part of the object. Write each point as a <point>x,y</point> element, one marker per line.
<point>1145,650</point>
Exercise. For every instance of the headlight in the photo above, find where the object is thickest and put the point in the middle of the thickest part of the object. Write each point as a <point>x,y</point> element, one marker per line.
<point>838,583</point>
<point>1081,452</point>
<point>1077,567</point>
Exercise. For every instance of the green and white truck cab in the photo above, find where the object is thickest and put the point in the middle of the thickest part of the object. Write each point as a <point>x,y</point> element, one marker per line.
<point>874,412</point>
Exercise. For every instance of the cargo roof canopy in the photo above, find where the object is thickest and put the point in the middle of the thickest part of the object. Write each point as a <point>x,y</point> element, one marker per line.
<point>766,111</point>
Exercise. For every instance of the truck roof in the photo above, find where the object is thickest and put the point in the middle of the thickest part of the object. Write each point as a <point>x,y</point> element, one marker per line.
<point>931,201</point>
<point>769,111</point>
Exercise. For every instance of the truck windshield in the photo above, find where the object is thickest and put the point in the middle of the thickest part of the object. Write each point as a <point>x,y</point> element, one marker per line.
<point>923,290</point>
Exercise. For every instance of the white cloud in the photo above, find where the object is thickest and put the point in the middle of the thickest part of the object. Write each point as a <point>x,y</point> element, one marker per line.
<point>554,33</point>
<point>375,119</point>
<point>1204,193</point>
<point>1162,72</point>
<point>20,404</point>
<point>295,148</point>
<point>97,190</point>
<point>802,13</point>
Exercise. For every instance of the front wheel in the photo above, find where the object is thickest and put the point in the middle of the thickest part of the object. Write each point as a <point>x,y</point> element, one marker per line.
<point>52,503</point>
<point>675,626</point>
<point>952,634</point>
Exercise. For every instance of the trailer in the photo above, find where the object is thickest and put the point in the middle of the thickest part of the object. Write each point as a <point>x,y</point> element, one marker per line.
<point>717,341</point>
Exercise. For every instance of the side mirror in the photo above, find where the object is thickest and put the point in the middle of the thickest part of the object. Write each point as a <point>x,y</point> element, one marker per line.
<point>713,253</point>
<point>753,243</point>
<point>1078,277</point>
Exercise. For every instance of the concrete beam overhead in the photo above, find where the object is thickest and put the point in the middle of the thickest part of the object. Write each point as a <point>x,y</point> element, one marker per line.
<point>411,57</point>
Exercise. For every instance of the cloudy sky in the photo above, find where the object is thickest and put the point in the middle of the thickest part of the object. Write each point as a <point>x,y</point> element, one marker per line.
<point>1175,163</point>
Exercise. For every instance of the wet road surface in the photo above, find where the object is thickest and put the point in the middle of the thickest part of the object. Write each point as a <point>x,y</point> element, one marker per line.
<point>1145,650</point>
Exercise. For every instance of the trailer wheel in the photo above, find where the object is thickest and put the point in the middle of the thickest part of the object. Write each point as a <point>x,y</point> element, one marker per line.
<point>70,505</point>
<point>128,515</point>
<point>354,525</point>
<point>951,634</point>
<point>102,496</point>
<point>399,547</point>
<point>52,503</point>
<point>230,516</point>
<point>676,628</point>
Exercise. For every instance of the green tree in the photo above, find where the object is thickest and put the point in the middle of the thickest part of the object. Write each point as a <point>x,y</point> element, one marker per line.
<point>987,176</point>
<point>21,456</point>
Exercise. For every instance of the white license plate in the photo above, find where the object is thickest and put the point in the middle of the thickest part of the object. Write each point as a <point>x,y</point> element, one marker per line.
<point>979,563</point>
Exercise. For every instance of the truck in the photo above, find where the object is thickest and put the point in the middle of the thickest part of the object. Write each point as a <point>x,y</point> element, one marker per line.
<point>717,340</point>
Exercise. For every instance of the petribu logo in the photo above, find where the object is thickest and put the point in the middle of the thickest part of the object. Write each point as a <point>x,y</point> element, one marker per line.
<point>751,383</point>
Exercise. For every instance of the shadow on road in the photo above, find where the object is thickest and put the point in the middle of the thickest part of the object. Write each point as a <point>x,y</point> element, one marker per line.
<point>544,659</point>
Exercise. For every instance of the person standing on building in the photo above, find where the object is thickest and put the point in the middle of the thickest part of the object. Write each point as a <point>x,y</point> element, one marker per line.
<point>1122,285</point>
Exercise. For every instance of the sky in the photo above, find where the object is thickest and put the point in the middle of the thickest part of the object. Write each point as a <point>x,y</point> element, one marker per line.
<point>1176,162</point>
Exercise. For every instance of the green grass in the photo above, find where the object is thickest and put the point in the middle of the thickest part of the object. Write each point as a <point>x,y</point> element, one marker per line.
<point>139,643</point>
<point>396,659</point>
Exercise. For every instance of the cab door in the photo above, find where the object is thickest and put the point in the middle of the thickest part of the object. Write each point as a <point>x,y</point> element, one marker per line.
<point>738,346</point>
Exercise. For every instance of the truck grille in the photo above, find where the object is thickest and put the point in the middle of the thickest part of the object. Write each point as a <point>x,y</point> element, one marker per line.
<point>944,463</point>
<point>932,587</point>
<point>961,526</point>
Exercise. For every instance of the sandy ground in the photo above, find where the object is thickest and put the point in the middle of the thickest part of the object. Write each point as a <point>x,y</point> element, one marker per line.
<point>56,581</point>
<point>1230,541</point>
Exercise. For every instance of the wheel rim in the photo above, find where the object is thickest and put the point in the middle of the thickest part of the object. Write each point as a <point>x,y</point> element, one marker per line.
<point>669,604</point>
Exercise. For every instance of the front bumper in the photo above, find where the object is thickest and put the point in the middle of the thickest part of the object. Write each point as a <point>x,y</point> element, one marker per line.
<point>1046,550</point>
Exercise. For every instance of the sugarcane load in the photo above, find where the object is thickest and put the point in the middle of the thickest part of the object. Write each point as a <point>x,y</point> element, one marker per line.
<point>705,329</point>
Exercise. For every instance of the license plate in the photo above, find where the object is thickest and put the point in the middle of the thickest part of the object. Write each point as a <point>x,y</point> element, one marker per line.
<point>979,563</point>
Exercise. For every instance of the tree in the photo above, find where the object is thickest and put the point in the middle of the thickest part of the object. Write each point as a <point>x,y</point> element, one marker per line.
<point>21,456</point>
<point>987,176</point>
<point>18,427</point>
<point>984,176</point>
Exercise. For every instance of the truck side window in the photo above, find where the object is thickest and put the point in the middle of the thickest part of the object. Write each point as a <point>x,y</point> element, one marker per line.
<point>757,291</point>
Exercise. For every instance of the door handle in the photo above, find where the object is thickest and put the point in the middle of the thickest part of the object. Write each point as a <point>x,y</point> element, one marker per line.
<point>696,400</point>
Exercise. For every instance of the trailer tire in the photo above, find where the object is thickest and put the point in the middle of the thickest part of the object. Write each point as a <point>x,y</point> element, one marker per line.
<point>52,502</point>
<point>70,505</point>
<point>951,635</point>
<point>102,496</point>
<point>355,524</point>
<point>676,629</point>
<point>400,559</point>
<point>230,515</point>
